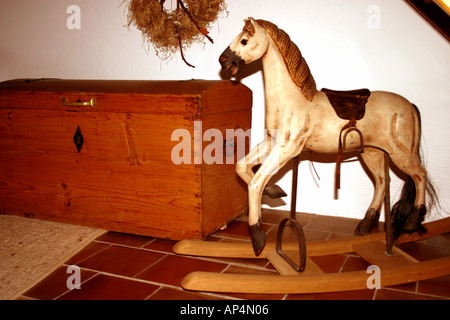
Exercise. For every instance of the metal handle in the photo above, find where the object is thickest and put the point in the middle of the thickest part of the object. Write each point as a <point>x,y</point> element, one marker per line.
<point>91,103</point>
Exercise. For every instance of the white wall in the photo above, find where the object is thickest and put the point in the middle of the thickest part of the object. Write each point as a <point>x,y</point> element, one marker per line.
<point>405,55</point>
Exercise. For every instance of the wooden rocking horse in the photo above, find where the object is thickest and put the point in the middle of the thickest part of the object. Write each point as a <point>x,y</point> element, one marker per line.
<point>298,117</point>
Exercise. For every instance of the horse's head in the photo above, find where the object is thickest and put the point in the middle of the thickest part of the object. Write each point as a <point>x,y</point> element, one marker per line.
<point>250,45</point>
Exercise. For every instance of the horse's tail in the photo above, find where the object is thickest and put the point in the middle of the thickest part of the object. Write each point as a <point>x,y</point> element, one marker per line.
<point>404,208</point>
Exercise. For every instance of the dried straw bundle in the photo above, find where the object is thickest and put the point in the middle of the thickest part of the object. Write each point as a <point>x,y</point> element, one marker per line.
<point>170,31</point>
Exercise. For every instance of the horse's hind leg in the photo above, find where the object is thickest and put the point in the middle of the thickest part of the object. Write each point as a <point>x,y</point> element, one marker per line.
<point>409,212</point>
<point>375,163</point>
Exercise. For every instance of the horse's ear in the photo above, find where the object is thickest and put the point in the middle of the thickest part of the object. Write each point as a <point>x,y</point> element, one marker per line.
<point>250,26</point>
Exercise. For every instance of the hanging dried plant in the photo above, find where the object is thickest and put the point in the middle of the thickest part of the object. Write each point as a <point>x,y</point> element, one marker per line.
<point>170,31</point>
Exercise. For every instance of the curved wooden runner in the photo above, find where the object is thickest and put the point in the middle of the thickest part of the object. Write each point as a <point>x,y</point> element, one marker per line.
<point>329,282</point>
<point>396,269</point>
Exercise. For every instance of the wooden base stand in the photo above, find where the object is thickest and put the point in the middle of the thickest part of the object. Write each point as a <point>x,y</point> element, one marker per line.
<point>395,266</point>
<point>395,269</point>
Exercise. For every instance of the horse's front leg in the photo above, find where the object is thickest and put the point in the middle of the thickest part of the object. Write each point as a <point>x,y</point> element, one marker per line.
<point>279,155</point>
<point>244,168</point>
<point>245,165</point>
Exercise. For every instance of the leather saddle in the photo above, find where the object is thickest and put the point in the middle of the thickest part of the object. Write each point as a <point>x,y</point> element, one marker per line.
<point>348,105</point>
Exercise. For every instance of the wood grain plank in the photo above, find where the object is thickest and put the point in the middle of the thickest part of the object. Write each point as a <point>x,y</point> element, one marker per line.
<point>375,253</point>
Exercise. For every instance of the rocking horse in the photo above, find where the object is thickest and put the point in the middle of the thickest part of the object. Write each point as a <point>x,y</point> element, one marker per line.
<point>384,126</point>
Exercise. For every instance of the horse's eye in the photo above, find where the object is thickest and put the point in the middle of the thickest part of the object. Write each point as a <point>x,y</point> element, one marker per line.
<point>244,42</point>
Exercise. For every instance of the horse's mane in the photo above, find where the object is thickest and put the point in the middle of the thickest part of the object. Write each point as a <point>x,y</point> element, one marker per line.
<point>296,64</point>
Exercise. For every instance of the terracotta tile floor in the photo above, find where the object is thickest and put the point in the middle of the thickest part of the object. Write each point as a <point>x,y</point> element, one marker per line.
<point>125,266</point>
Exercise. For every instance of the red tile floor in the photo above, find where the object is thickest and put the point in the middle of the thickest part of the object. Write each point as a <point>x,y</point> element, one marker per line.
<point>125,266</point>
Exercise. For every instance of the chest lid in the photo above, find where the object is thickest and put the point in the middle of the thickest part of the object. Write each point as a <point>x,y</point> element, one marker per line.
<point>192,98</point>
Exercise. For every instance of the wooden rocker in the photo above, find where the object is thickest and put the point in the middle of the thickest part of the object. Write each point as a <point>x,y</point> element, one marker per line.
<point>396,269</point>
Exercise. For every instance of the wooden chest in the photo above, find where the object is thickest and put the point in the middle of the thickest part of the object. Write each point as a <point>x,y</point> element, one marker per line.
<point>143,157</point>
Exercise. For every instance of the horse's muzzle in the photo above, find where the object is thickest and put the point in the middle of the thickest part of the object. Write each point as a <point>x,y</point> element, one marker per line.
<point>229,60</point>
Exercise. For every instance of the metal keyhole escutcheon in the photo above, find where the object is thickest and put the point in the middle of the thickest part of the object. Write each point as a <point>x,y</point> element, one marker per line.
<point>78,139</point>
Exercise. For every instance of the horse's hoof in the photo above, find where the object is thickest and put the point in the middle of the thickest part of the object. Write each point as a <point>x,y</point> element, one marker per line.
<point>414,221</point>
<point>274,192</point>
<point>363,228</point>
<point>258,238</point>
<point>367,224</point>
